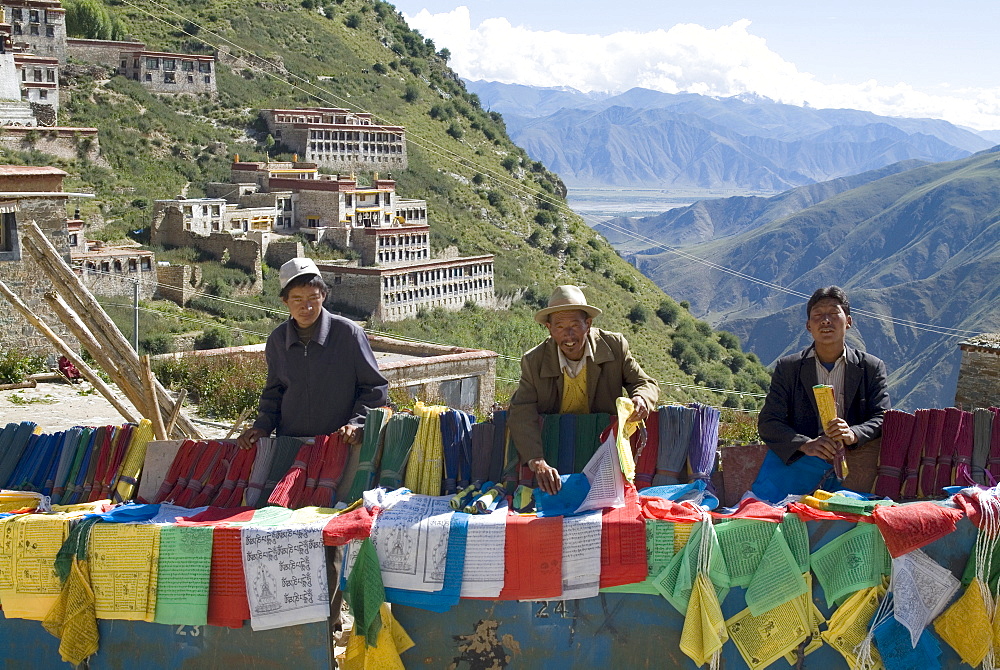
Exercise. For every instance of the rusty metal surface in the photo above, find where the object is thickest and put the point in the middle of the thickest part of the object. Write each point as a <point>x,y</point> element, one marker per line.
<point>611,630</point>
<point>127,645</point>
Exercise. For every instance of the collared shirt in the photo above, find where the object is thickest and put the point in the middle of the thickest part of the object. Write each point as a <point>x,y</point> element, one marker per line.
<point>835,378</point>
<point>573,368</point>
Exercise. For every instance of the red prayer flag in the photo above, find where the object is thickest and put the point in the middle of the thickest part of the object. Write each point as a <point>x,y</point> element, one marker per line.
<point>909,527</point>
<point>623,542</point>
<point>645,462</point>
<point>353,525</point>
<point>532,558</point>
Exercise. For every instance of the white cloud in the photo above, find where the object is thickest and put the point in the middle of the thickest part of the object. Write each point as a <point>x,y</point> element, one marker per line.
<point>721,62</point>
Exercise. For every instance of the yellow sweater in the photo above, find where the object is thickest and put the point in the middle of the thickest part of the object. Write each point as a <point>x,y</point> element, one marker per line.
<point>574,397</point>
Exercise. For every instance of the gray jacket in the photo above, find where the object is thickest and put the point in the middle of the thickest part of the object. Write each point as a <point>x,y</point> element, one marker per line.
<point>316,389</point>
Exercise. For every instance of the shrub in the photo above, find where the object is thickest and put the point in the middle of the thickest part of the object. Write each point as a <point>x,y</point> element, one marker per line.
<point>15,366</point>
<point>213,338</point>
<point>639,314</point>
<point>668,311</point>
<point>353,20</point>
<point>728,340</point>
<point>412,93</point>
<point>157,343</point>
<point>223,386</point>
<point>509,163</point>
<point>455,131</point>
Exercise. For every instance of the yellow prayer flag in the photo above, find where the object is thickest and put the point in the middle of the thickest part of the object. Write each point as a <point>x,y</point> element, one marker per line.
<point>624,407</point>
<point>966,624</point>
<point>704,630</point>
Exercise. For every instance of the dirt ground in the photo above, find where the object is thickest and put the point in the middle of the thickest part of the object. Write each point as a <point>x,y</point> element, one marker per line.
<point>57,406</point>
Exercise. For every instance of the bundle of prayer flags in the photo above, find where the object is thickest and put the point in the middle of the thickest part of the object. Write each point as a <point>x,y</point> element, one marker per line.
<point>482,451</point>
<point>266,448</point>
<point>426,469</point>
<point>368,457</point>
<point>897,432</point>
<point>647,454</point>
<point>676,425</point>
<point>827,406</point>
<point>922,418</point>
<point>929,455</point>
<point>456,437</point>
<point>13,441</point>
<point>962,472</point>
<point>952,443</point>
<point>982,433</point>
<point>400,431</point>
<point>704,443</point>
<point>993,462</point>
<point>334,458</point>
<point>293,483</point>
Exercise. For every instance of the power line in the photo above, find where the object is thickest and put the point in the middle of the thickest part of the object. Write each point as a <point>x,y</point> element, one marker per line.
<point>516,185</point>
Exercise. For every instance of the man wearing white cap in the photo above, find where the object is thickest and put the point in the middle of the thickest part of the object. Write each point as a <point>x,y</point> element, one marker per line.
<point>576,370</point>
<point>321,373</point>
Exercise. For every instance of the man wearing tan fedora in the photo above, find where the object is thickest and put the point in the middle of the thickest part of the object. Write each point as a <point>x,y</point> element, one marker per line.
<point>576,370</point>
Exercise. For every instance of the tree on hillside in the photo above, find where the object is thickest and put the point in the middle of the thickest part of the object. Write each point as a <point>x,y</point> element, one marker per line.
<point>92,20</point>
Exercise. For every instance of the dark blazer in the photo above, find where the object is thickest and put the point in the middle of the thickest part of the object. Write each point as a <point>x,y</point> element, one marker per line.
<point>541,386</point>
<point>790,417</point>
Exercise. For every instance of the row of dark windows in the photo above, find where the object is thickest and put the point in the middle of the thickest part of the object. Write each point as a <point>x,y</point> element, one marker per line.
<point>34,15</point>
<point>33,30</point>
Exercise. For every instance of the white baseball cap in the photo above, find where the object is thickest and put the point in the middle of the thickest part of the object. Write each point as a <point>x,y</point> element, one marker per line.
<point>296,268</point>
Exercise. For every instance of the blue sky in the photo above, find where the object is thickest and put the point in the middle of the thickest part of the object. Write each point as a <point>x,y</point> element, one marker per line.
<point>897,58</point>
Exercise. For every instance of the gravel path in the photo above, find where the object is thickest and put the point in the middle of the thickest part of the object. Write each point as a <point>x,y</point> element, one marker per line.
<point>57,406</point>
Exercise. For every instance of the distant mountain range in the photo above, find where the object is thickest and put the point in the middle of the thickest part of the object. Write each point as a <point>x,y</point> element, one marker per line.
<point>917,244</point>
<point>644,138</point>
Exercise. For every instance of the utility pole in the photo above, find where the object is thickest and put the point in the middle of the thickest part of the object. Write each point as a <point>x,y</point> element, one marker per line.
<point>135,315</point>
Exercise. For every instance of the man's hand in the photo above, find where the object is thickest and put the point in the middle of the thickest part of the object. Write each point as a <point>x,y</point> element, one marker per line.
<point>641,411</point>
<point>352,434</point>
<point>839,431</point>
<point>249,437</point>
<point>546,475</point>
<point>821,447</point>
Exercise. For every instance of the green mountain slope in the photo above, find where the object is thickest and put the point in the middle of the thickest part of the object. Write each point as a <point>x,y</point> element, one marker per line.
<point>922,246</point>
<point>484,194</point>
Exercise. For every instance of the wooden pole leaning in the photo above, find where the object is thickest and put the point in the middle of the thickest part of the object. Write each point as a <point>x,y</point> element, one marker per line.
<point>175,412</point>
<point>148,380</point>
<point>104,358</point>
<point>79,297</point>
<point>68,352</point>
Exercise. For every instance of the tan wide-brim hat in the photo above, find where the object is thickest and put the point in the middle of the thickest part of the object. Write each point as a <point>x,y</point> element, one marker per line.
<point>564,299</point>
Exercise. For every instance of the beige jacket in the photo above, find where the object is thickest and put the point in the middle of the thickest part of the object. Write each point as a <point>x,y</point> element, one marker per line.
<point>541,386</point>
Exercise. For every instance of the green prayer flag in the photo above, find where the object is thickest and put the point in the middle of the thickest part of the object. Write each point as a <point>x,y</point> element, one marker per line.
<point>797,538</point>
<point>777,579</point>
<point>743,543</point>
<point>183,575</point>
<point>365,593</point>
<point>856,560</point>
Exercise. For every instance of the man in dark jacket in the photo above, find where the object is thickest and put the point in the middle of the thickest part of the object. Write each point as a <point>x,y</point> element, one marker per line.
<point>789,422</point>
<point>321,373</point>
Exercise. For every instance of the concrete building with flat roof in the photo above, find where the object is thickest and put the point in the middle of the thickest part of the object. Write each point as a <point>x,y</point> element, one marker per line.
<point>338,138</point>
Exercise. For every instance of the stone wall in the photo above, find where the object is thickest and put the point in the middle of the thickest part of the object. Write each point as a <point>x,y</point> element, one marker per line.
<point>65,143</point>
<point>23,276</point>
<point>122,284</point>
<point>176,283</point>
<point>279,253</point>
<point>105,52</point>
<point>978,377</point>
<point>168,229</point>
<point>355,294</point>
